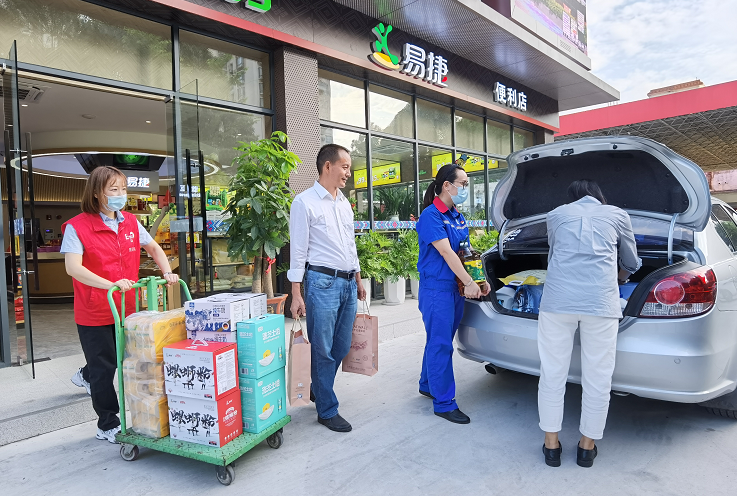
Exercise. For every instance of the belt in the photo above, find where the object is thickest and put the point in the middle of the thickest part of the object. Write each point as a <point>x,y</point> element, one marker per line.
<point>332,272</point>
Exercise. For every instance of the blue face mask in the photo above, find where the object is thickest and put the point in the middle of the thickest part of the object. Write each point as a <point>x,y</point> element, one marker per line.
<point>116,203</point>
<point>461,196</point>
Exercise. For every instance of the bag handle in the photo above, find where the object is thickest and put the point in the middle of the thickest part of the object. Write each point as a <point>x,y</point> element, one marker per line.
<point>301,328</point>
<point>366,308</point>
<point>199,342</point>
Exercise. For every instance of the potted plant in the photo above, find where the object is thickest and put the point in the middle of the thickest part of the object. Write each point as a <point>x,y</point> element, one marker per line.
<point>371,248</point>
<point>258,226</point>
<point>412,242</point>
<point>484,240</point>
<point>401,268</point>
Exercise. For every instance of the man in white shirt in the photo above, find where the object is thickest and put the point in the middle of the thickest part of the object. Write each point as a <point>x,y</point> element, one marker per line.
<point>323,254</point>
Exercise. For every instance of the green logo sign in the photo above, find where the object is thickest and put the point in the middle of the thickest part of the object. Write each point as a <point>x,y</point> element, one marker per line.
<point>257,5</point>
<point>382,56</point>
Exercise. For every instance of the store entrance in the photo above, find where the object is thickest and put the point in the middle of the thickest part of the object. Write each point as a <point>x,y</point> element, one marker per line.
<point>56,132</point>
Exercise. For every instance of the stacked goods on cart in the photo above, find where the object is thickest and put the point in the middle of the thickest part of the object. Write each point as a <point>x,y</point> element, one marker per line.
<point>261,378</point>
<point>201,381</point>
<point>146,334</point>
<point>214,318</point>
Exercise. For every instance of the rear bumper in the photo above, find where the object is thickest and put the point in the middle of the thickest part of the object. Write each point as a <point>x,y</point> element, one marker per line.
<point>681,360</point>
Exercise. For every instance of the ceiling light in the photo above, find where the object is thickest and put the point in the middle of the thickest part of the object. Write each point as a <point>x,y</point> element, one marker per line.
<point>88,116</point>
<point>148,122</point>
<point>23,104</point>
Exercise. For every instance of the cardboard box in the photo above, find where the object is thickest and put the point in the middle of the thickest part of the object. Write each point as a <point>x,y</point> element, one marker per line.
<point>220,313</point>
<point>200,369</point>
<point>212,423</point>
<point>261,345</point>
<point>217,337</point>
<point>264,401</point>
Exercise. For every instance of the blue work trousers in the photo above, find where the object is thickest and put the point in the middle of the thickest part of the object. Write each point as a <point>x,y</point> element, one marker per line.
<point>441,312</point>
<point>331,304</point>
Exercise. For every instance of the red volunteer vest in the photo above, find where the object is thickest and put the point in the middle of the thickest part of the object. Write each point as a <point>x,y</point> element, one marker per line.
<point>114,256</point>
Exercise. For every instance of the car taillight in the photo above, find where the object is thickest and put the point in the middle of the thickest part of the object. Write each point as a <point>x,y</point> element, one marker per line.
<point>682,295</point>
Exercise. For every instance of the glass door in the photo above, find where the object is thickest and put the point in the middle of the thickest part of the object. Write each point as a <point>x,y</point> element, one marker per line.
<point>188,228</point>
<point>17,327</point>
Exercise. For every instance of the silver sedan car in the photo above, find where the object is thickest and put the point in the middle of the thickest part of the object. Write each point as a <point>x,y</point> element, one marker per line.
<point>678,338</point>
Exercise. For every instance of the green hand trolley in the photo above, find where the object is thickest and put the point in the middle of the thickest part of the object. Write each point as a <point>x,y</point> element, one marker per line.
<point>222,458</point>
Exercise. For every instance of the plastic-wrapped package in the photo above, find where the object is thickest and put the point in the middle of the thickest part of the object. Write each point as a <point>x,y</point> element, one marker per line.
<point>533,277</point>
<point>527,298</point>
<point>143,377</point>
<point>146,333</point>
<point>149,414</point>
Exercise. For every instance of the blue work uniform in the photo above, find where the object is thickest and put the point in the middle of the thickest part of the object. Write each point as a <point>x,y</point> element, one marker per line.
<point>441,303</point>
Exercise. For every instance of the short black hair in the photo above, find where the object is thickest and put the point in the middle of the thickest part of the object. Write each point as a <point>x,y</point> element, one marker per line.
<point>585,187</point>
<point>329,153</point>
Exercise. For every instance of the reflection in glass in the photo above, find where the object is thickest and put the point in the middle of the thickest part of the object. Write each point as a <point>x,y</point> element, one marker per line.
<point>498,138</point>
<point>356,188</point>
<point>430,160</point>
<point>342,99</point>
<point>391,112</point>
<point>434,123</point>
<point>523,139</point>
<point>497,170</point>
<point>469,131</point>
<point>77,36</point>
<point>225,71</point>
<point>474,208</point>
<point>393,176</point>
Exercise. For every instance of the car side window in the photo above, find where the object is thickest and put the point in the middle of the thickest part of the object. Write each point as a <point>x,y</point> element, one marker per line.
<point>725,226</point>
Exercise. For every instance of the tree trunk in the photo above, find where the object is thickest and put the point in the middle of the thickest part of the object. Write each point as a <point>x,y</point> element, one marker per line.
<point>258,263</point>
<point>268,281</point>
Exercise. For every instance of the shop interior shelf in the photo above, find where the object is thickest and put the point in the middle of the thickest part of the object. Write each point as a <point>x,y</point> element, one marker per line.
<point>209,454</point>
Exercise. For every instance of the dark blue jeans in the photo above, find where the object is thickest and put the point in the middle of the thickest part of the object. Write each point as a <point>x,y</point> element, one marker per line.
<point>331,310</point>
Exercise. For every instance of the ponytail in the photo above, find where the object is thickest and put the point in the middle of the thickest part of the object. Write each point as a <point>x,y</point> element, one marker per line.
<point>448,172</point>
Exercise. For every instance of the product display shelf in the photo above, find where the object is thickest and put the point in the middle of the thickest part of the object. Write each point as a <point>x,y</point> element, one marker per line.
<point>130,443</point>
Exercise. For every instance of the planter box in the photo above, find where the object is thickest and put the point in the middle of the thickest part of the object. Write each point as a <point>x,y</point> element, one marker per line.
<point>276,304</point>
<point>395,292</point>
<point>367,287</point>
<point>414,285</point>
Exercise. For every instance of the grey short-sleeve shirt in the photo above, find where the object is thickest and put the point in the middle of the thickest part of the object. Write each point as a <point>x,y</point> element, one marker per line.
<point>71,243</point>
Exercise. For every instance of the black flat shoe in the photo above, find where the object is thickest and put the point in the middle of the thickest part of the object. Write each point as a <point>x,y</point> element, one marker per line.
<point>456,416</point>
<point>337,424</point>
<point>312,396</point>
<point>425,393</point>
<point>585,458</point>
<point>552,456</point>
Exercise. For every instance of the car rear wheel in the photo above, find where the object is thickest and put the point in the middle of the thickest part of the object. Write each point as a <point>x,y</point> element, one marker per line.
<point>723,406</point>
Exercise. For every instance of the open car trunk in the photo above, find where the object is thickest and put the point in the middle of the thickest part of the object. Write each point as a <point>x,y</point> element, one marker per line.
<point>652,265</point>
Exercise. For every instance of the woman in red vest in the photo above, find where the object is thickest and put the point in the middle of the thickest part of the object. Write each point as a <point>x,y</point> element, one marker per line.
<point>102,249</point>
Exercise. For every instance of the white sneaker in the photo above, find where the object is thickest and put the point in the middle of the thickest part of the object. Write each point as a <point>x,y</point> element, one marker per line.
<point>108,434</point>
<point>78,380</point>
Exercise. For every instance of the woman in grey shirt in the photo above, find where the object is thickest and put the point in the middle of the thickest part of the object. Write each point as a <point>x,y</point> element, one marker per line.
<point>581,291</point>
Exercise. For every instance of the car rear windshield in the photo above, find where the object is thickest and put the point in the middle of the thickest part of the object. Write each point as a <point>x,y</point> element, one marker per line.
<point>650,234</point>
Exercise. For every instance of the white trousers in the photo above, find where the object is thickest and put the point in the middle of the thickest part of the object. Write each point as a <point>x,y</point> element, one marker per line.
<point>598,348</point>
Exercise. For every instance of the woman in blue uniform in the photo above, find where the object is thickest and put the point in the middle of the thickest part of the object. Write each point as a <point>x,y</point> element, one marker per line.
<point>441,229</point>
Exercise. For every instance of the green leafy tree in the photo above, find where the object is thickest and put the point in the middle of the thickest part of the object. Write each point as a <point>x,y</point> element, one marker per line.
<point>372,248</point>
<point>259,222</point>
<point>484,242</point>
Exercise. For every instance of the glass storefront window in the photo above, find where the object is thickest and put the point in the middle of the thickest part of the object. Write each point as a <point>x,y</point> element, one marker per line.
<point>430,160</point>
<point>391,112</point>
<point>342,99</point>
<point>474,208</point>
<point>434,123</point>
<point>393,179</point>
<point>80,37</point>
<point>523,139</point>
<point>469,131</point>
<point>225,71</point>
<point>497,170</point>
<point>356,188</point>
<point>498,138</point>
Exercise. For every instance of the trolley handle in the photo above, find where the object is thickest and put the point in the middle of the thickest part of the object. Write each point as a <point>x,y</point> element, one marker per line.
<point>151,283</point>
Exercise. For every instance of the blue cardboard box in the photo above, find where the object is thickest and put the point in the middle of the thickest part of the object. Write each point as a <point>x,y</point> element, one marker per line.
<point>263,400</point>
<point>261,345</point>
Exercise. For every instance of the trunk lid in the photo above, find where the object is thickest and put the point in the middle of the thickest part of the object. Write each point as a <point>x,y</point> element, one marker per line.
<point>641,176</point>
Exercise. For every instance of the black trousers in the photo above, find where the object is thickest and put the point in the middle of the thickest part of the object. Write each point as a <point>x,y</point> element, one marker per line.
<point>98,345</point>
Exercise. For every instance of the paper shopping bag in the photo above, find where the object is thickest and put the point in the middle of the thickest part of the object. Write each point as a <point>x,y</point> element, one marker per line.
<point>363,357</point>
<point>300,361</point>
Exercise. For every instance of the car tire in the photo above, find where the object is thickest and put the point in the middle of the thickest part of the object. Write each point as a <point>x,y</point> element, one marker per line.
<point>723,406</point>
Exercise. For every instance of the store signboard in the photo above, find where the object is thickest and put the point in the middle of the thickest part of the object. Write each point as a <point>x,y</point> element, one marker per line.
<point>440,160</point>
<point>416,61</point>
<point>510,97</point>
<point>381,174</point>
<point>473,163</point>
<point>255,5</point>
<point>142,181</point>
